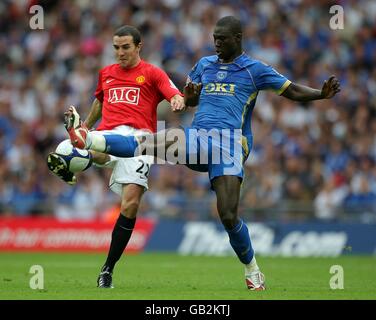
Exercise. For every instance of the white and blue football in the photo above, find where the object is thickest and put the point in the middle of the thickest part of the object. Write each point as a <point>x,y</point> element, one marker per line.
<point>76,159</point>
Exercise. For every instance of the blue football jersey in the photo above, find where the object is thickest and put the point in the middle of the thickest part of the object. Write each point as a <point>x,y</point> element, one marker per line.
<point>229,91</point>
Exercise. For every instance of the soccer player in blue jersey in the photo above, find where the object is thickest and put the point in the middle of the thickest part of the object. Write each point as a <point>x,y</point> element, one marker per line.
<point>225,88</point>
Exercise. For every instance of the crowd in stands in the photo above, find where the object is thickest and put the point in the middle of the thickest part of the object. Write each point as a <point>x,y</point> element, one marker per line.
<point>309,161</point>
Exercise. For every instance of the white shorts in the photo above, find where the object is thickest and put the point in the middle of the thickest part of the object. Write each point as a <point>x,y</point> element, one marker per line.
<point>128,170</point>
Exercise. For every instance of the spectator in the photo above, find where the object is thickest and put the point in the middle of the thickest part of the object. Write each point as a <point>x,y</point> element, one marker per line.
<point>329,200</point>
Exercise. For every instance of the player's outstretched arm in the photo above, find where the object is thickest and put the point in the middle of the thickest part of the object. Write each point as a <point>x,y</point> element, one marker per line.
<point>299,92</point>
<point>192,94</point>
<point>95,114</point>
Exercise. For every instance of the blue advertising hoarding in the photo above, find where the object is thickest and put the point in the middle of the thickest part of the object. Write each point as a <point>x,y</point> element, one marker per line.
<point>282,239</point>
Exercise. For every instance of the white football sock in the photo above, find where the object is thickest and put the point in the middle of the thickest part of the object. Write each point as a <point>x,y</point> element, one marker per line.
<point>252,266</point>
<point>95,142</point>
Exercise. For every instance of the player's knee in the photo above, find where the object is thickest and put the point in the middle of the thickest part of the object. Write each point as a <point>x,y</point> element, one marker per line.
<point>229,219</point>
<point>129,208</point>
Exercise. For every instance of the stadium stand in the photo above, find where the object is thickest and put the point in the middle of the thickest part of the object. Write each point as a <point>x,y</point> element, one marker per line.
<point>312,161</point>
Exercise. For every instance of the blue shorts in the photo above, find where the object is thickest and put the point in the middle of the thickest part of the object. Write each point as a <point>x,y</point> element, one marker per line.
<point>220,152</point>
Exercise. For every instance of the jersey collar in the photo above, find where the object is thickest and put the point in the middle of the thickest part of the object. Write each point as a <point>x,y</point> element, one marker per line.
<point>238,58</point>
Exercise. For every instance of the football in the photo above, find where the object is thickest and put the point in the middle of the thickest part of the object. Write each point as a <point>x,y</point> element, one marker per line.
<point>76,159</point>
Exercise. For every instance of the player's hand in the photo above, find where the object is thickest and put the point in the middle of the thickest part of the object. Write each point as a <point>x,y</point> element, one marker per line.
<point>192,90</point>
<point>177,103</point>
<point>192,93</point>
<point>330,88</point>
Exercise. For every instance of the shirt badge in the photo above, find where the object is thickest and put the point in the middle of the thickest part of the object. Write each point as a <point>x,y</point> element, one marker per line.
<point>140,79</point>
<point>221,75</point>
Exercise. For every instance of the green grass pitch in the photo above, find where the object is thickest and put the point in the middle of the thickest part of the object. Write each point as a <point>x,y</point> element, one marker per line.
<point>152,276</point>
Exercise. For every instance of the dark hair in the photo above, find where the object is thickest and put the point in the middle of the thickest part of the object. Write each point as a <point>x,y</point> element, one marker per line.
<point>230,22</point>
<point>129,31</point>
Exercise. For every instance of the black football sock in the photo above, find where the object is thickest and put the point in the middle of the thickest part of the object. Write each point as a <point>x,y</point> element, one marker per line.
<point>120,236</point>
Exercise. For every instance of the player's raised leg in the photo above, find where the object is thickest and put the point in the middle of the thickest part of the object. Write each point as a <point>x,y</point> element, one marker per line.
<point>117,145</point>
<point>124,146</point>
<point>227,189</point>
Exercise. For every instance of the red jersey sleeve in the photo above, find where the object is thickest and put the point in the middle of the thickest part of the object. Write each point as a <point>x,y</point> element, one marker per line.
<point>99,91</point>
<point>164,84</point>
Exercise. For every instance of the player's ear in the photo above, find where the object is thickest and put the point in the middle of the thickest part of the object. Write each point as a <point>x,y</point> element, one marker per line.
<point>139,46</point>
<point>238,36</point>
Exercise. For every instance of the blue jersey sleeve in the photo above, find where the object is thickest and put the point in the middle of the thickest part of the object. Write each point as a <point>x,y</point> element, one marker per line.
<point>266,77</point>
<point>196,73</point>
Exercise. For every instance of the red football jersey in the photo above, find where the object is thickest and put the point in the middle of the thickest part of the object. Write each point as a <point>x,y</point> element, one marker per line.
<point>131,96</point>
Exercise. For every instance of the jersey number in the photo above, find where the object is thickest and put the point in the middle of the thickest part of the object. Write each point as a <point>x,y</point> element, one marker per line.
<point>142,170</point>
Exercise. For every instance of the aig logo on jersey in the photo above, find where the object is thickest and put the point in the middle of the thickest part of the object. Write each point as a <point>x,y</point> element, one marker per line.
<point>220,88</point>
<point>129,95</point>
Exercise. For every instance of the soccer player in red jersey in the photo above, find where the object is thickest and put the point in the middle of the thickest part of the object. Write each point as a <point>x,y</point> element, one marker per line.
<point>127,96</point>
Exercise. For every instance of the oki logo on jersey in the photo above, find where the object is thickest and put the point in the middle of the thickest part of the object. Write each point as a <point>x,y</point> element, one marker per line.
<point>124,95</point>
<point>220,88</point>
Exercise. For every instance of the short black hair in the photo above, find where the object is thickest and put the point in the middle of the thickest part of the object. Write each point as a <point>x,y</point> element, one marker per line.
<point>232,23</point>
<point>129,31</point>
